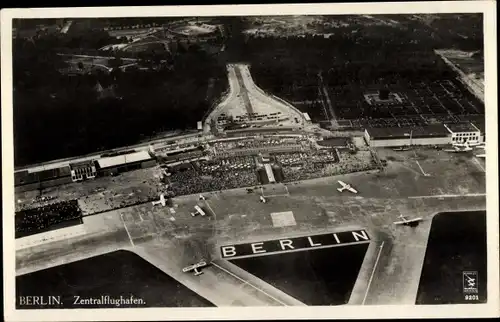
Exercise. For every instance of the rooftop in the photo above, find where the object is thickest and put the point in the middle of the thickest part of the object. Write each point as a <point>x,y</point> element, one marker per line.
<point>461,127</point>
<point>406,132</point>
<point>81,164</point>
<point>481,126</point>
<point>123,159</point>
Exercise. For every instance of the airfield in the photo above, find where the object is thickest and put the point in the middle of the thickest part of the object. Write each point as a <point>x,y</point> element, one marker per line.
<point>417,183</point>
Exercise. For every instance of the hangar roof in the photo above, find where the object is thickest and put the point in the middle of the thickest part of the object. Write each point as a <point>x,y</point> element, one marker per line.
<point>480,125</point>
<point>123,159</point>
<point>461,127</point>
<point>405,132</point>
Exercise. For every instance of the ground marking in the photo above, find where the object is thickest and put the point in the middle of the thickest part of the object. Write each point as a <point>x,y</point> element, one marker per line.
<point>246,282</point>
<point>373,272</point>
<point>126,229</point>
<point>140,216</point>
<point>276,195</point>
<point>422,170</point>
<point>479,164</point>
<point>448,196</point>
<point>210,208</point>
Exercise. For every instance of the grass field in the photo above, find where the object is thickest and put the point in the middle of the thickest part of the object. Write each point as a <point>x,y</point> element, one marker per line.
<point>116,274</point>
<point>315,277</point>
<point>450,253</point>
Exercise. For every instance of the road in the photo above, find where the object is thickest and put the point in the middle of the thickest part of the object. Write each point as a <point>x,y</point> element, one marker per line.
<point>324,91</point>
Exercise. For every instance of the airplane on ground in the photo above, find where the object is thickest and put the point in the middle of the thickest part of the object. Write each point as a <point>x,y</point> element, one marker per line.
<point>346,186</point>
<point>198,211</point>
<point>262,199</point>
<point>161,201</point>
<point>412,222</point>
<point>402,148</point>
<point>202,197</point>
<point>457,149</point>
<point>194,268</point>
<point>469,145</point>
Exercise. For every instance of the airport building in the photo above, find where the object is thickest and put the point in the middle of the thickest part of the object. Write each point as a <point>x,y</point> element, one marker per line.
<point>83,170</point>
<point>464,132</point>
<point>480,125</point>
<point>125,162</point>
<point>26,180</point>
<point>401,136</point>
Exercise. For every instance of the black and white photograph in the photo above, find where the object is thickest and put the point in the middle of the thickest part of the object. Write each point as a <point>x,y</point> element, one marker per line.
<point>236,160</point>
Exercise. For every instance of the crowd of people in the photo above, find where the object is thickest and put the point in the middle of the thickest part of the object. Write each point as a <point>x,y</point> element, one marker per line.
<point>32,221</point>
<point>259,143</point>
<point>298,158</point>
<point>325,164</point>
<point>191,181</point>
<point>226,164</point>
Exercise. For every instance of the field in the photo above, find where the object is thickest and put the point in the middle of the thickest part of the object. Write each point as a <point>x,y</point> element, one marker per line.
<point>101,194</point>
<point>450,253</point>
<point>47,218</point>
<point>315,277</point>
<point>420,103</point>
<point>170,238</point>
<point>115,274</point>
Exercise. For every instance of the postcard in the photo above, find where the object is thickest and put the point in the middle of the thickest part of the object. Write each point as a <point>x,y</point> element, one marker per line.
<point>250,162</point>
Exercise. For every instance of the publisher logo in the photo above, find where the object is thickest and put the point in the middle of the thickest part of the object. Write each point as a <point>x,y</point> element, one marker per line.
<point>470,282</point>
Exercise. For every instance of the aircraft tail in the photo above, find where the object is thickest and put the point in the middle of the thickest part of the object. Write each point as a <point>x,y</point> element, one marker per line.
<point>340,189</point>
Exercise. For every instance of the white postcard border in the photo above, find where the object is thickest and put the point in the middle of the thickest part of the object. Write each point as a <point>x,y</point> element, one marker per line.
<point>491,309</point>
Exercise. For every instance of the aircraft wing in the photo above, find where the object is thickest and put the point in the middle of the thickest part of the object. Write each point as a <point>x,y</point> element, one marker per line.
<point>407,222</point>
<point>194,266</point>
<point>351,189</point>
<point>342,183</point>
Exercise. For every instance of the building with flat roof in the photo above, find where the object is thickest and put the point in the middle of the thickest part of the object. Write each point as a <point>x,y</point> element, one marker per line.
<point>481,126</point>
<point>83,170</point>
<point>401,136</point>
<point>464,132</point>
<point>124,162</point>
<point>269,173</point>
<point>25,180</point>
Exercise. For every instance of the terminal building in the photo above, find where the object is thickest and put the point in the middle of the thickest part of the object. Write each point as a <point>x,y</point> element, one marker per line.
<point>83,170</point>
<point>42,177</point>
<point>401,136</point>
<point>464,132</point>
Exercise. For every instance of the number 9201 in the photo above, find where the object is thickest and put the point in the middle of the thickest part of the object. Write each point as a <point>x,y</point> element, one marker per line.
<point>472,297</point>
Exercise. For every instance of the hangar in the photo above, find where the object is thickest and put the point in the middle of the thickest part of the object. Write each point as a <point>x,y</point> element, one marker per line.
<point>464,132</point>
<point>124,162</point>
<point>25,180</point>
<point>401,136</point>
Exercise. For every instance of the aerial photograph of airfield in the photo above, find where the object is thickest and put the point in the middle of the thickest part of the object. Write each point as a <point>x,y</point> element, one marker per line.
<point>249,161</point>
